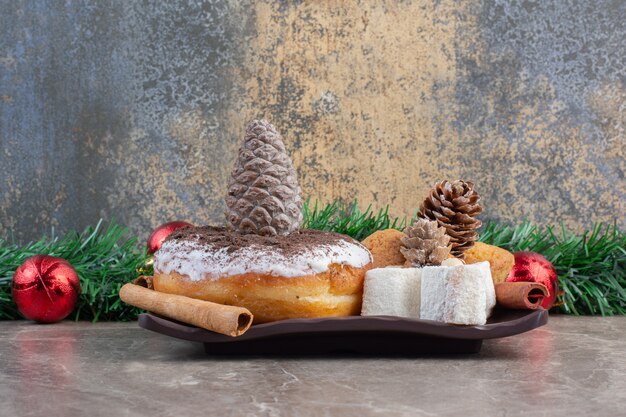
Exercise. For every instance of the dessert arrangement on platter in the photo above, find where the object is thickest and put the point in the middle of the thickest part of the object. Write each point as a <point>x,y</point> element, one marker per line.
<point>263,268</point>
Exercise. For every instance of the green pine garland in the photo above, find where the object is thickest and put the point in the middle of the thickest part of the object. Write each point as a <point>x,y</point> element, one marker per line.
<point>591,266</point>
<point>347,219</point>
<point>105,258</point>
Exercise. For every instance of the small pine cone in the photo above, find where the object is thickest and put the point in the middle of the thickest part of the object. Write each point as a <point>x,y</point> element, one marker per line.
<point>455,206</point>
<point>425,243</point>
<point>263,193</point>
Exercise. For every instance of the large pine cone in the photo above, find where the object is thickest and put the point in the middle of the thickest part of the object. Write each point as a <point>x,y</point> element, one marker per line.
<point>455,206</point>
<point>263,194</point>
<point>425,243</point>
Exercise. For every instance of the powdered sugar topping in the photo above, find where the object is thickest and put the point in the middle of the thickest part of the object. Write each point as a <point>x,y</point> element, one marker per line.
<point>205,261</point>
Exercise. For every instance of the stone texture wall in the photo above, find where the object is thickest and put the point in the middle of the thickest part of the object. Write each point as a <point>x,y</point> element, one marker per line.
<point>135,110</point>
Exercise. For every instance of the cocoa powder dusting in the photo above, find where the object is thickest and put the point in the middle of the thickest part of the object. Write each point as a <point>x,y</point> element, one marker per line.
<point>220,237</point>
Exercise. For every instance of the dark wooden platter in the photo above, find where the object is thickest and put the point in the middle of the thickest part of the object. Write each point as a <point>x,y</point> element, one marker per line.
<point>365,335</point>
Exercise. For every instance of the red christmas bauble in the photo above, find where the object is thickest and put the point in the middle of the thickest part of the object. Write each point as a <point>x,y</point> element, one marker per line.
<point>160,233</point>
<point>533,267</point>
<point>45,288</point>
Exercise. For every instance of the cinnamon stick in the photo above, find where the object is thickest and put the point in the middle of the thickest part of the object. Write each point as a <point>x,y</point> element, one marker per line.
<point>144,281</point>
<point>520,295</point>
<point>228,320</point>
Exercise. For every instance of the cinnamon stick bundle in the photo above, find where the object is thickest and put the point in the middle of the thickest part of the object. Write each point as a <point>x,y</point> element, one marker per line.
<point>520,295</point>
<point>228,320</point>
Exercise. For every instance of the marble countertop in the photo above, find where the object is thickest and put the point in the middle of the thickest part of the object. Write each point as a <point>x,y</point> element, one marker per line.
<point>573,366</point>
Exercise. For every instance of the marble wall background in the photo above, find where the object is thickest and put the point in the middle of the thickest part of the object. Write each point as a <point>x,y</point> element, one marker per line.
<point>135,110</point>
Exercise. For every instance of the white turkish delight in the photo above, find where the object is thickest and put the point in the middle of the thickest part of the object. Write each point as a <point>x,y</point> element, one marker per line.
<point>461,294</point>
<point>392,291</point>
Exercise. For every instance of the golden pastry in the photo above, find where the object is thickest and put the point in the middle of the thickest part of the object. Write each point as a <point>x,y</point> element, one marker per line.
<point>385,247</point>
<point>500,260</point>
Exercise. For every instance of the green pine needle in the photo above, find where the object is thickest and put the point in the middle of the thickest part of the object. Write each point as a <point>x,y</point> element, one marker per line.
<point>591,266</point>
<point>347,219</point>
<point>104,258</point>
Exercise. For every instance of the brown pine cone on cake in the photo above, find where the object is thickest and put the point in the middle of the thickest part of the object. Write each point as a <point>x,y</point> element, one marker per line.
<point>263,194</point>
<point>454,205</point>
<point>425,243</point>
<point>264,263</point>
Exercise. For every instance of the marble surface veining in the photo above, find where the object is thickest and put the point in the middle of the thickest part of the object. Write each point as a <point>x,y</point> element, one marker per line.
<point>571,367</point>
